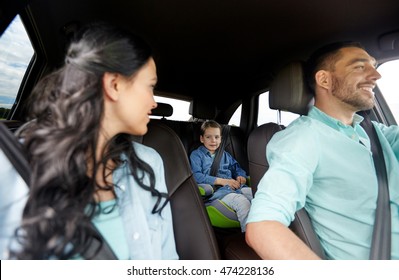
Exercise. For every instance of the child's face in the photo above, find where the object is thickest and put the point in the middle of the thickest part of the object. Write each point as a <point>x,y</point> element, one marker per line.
<point>211,139</point>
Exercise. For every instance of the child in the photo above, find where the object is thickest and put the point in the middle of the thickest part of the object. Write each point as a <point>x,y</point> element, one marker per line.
<point>229,182</point>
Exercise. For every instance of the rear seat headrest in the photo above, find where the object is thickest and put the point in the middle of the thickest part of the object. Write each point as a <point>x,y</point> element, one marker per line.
<point>162,110</point>
<point>289,92</point>
<point>202,109</point>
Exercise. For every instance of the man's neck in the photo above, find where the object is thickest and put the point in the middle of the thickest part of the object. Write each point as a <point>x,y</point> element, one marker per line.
<point>337,111</point>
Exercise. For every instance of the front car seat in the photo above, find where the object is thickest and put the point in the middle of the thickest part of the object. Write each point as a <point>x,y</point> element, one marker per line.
<point>288,92</point>
<point>194,235</point>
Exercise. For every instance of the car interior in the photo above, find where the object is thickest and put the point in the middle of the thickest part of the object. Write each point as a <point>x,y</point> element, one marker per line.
<point>219,56</point>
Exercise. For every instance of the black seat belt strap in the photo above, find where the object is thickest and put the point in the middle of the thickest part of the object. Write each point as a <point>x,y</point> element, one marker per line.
<point>104,253</point>
<point>13,150</point>
<point>216,161</point>
<point>381,240</point>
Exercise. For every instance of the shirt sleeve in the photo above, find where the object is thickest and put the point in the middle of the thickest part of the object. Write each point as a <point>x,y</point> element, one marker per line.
<point>200,175</point>
<point>391,133</point>
<point>293,157</point>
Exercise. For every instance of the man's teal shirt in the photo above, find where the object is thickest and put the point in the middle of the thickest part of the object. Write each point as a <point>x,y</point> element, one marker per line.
<point>321,164</point>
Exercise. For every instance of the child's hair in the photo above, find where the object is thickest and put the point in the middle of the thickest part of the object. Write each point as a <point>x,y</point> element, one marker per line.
<point>208,124</point>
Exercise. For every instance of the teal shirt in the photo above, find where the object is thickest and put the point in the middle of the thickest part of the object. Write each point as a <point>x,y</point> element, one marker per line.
<point>148,236</point>
<point>109,224</point>
<point>321,164</point>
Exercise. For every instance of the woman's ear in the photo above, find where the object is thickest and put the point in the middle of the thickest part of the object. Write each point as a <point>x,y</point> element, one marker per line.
<point>323,79</point>
<point>110,86</point>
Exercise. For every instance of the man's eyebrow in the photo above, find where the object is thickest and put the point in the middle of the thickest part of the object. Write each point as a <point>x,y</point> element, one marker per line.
<point>371,60</point>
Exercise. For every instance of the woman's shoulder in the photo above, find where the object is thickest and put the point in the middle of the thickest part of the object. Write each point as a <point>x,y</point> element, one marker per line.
<point>146,153</point>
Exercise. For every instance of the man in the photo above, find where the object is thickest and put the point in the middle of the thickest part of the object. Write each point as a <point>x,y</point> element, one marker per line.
<point>323,162</point>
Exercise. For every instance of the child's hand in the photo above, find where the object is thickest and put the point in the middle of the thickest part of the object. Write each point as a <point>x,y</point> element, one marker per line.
<point>234,184</point>
<point>242,180</point>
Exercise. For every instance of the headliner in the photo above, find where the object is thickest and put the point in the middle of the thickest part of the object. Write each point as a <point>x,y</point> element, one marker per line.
<point>225,47</point>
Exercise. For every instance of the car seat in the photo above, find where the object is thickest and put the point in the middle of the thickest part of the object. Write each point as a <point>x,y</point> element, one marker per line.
<point>223,220</point>
<point>220,214</point>
<point>288,92</point>
<point>195,238</point>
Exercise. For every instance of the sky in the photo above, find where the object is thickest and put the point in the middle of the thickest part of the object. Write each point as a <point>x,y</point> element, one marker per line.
<point>15,55</point>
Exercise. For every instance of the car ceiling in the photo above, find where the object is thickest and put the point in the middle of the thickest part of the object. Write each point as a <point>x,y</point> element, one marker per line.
<point>218,48</point>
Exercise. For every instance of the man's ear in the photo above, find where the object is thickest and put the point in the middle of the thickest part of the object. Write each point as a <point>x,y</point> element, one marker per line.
<point>323,79</point>
<point>110,85</point>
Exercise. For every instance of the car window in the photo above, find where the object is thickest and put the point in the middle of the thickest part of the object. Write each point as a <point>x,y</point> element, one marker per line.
<point>235,118</point>
<point>180,108</point>
<point>16,52</point>
<point>265,114</point>
<point>388,85</point>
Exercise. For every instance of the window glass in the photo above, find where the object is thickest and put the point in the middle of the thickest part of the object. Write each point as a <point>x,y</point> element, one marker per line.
<point>180,108</point>
<point>266,114</point>
<point>388,85</point>
<point>236,117</point>
<point>16,52</point>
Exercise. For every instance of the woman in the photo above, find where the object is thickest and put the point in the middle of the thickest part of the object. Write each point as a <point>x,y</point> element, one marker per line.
<point>85,167</point>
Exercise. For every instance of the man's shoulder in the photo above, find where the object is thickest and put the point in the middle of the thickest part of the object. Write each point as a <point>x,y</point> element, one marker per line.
<point>301,128</point>
<point>301,123</point>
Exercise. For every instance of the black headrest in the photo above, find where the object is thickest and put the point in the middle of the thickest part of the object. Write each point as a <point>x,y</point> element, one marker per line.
<point>202,109</point>
<point>289,91</point>
<point>162,110</point>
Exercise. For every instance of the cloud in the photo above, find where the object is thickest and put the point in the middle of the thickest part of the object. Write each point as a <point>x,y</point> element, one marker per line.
<point>15,54</point>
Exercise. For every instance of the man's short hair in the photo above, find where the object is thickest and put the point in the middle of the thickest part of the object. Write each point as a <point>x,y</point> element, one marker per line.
<point>325,58</point>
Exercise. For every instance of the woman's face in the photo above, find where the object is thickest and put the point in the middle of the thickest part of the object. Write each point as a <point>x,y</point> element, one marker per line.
<point>135,101</point>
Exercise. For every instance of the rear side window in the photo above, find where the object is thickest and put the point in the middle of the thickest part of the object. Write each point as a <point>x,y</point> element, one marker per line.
<point>268,115</point>
<point>16,52</point>
<point>265,114</point>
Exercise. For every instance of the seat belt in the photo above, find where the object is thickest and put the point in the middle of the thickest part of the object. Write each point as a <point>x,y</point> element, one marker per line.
<point>104,253</point>
<point>13,150</point>
<point>216,161</point>
<point>381,240</point>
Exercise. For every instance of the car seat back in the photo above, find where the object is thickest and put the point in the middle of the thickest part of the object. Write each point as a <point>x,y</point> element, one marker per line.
<point>220,214</point>
<point>288,92</point>
<point>224,220</point>
<point>195,238</point>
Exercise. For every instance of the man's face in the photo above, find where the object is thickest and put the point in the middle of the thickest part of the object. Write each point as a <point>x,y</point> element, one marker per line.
<point>354,78</point>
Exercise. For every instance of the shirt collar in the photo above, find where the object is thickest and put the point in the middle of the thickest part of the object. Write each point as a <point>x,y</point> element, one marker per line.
<point>205,150</point>
<point>317,114</point>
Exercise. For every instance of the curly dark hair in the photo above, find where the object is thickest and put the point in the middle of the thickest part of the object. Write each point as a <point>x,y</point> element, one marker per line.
<point>61,138</point>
